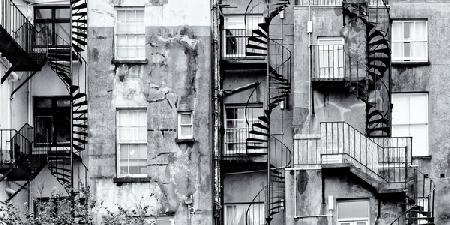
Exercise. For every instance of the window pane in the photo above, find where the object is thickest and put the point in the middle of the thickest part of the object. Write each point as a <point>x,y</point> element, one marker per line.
<point>43,14</point>
<point>397,51</point>
<point>121,16</point>
<point>421,30</point>
<point>185,118</point>
<point>186,131</point>
<point>407,30</point>
<point>420,139</point>
<point>407,49</point>
<point>353,209</point>
<point>419,108</point>
<point>419,50</point>
<point>400,131</point>
<point>397,31</point>
<point>63,13</point>
<point>400,110</point>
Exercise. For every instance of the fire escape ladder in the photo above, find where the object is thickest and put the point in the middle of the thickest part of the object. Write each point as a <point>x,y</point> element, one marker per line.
<point>278,79</point>
<point>375,90</point>
<point>60,162</point>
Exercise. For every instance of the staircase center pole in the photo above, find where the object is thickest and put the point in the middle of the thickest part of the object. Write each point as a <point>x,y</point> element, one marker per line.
<point>72,193</point>
<point>267,107</point>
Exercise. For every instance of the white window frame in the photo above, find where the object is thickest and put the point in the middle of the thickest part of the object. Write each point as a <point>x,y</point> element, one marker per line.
<point>338,59</point>
<point>426,152</point>
<point>180,124</point>
<point>119,142</point>
<point>116,34</point>
<point>259,204</point>
<point>402,58</point>
<point>353,220</point>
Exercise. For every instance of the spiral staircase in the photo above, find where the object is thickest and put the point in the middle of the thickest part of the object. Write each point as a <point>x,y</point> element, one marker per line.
<point>374,90</point>
<point>64,59</point>
<point>61,60</point>
<point>278,80</point>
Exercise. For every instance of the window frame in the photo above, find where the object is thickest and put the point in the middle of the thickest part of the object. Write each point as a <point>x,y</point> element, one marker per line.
<point>180,124</point>
<point>116,52</point>
<point>52,113</point>
<point>52,21</point>
<point>246,204</point>
<point>119,142</point>
<point>427,124</point>
<point>402,58</point>
<point>336,70</point>
<point>353,220</point>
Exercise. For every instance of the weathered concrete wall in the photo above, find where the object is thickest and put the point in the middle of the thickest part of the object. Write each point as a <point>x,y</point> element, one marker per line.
<point>313,189</point>
<point>432,78</point>
<point>176,77</point>
<point>328,105</point>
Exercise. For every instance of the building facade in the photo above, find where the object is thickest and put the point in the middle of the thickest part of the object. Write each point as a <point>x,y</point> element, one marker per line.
<point>228,111</point>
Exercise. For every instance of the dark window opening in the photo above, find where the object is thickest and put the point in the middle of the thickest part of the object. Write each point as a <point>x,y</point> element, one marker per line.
<point>52,121</point>
<point>56,21</point>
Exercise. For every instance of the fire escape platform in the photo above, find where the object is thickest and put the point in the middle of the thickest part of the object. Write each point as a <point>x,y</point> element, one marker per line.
<point>16,55</point>
<point>371,181</point>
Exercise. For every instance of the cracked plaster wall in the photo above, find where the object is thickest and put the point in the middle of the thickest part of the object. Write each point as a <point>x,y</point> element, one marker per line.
<point>328,105</point>
<point>175,78</point>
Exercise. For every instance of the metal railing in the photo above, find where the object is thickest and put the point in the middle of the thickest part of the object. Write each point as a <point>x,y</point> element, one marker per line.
<point>235,142</point>
<point>22,31</point>
<point>339,142</point>
<point>13,147</point>
<point>421,200</point>
<point>235,42</point>
<point>372,3</point>
<point>328,62</point>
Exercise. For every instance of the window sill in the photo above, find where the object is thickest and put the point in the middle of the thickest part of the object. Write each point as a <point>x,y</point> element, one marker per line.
<point>185,141</point>
<point>427,157</point>
<point>121,180</point>
<point>129,61</point>
<point>410,63</point>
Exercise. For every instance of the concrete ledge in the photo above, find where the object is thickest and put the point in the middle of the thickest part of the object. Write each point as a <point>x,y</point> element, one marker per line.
<point>185,141</point>
<point>118,61</point>
<point>410,63</point>
<point>121,180</point>
<point>306,136</point>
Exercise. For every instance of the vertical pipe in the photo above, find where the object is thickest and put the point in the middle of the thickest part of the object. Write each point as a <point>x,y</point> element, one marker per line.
<point>217,109</point>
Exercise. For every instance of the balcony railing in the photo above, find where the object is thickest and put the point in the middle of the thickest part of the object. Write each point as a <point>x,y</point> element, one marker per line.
<point>13,145</point>
<point>235,42</point>
<point>235,142</point>
<point>339,142</point>
<point>332,63</point>
<point>22,31</point>
<point>372,3</point>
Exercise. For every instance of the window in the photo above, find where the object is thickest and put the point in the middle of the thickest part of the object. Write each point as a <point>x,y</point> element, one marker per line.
<point>132,142</point>
<point>330,57</point>
<point>57,20</point>
<point>410,119</point>
<point>410,40</point>
<point>52,121</point>
<point>353,212</point>
<point>130,34</point>
<point>185,125</point>
<point>235,214</point>
<point>238,123</point>
<point>237,30</point>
